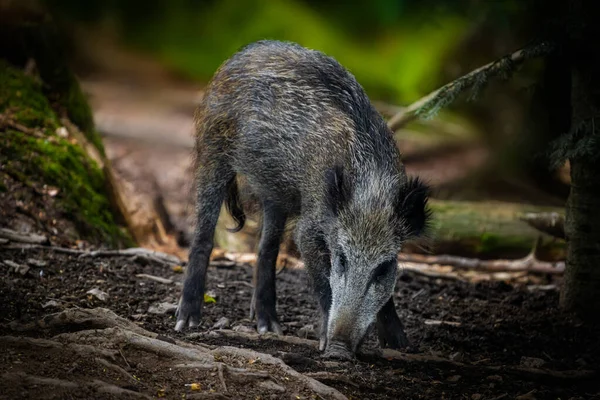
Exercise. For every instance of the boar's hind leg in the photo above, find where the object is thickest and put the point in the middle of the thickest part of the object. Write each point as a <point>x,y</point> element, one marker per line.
<point>213,180</point>
<point>264,298</point>
<point>390,330</point>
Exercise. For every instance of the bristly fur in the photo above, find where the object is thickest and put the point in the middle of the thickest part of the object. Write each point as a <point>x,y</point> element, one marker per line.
<point>412,207</point>
<point>339,189</point>
<point>302,134</point>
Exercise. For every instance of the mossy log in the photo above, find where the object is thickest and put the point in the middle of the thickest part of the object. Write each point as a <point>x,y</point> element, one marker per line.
<point>37,151</point>
<point>47,136</point>
<point>490,230</point>
<point>471,229</point>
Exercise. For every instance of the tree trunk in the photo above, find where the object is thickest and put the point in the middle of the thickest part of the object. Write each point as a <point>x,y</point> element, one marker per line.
<point>581,288</point>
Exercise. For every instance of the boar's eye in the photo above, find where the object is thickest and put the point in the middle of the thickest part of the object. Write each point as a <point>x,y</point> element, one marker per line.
<point>383,270</point>
<point>342,264</point>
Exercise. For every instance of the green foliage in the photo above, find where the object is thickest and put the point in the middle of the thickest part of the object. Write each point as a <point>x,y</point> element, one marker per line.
<point>391,54</point>
<point>24,99</point>
<point>581,142</point>
<point>52,160</point>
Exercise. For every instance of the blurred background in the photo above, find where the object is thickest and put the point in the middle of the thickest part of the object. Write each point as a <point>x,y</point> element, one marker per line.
<point>143,64</point>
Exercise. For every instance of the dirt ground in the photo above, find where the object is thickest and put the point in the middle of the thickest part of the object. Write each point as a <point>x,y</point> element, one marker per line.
<point>486,340</point>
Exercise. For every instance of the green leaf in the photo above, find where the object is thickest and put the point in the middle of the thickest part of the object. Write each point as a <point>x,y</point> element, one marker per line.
<point>209,299</point>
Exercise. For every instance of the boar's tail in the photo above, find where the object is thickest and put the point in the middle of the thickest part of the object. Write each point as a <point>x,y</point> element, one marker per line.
<point>234,205</point>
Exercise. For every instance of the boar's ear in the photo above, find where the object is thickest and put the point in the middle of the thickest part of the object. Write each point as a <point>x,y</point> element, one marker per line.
<point>337,189</point>
<point>412,207</point>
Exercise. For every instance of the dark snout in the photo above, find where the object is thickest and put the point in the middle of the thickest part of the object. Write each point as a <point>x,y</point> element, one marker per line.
<point>342,341</point>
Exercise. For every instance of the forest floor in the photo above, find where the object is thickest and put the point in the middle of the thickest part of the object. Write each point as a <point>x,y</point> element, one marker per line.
<point>472,340</point>
<point>75,325</point>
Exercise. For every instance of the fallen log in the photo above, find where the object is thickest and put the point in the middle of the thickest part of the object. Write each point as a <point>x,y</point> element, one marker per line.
<point>528,263</point>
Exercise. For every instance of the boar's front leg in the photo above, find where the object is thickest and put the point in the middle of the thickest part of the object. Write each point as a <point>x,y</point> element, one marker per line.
<point>264,298</point>
<point>315,254</point>
<point>390,330</point>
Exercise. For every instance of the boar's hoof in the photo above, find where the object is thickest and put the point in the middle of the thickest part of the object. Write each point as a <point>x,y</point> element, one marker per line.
<point>188,314</point>
<point>338,351</point>
<point>268,325</point>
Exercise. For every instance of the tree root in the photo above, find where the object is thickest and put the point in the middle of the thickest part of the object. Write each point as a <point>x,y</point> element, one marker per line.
<point>316,386</point>
<point>535,374</point>
<point>95,318</point>
<point>139,253</point>
<point>330,376</point>
<point>105,334</point>
<point>97,385</point>
<point>228,333</point>
<point>532,373</point>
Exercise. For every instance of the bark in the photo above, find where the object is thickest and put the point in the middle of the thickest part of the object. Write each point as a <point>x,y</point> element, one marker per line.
<point>581,289</point>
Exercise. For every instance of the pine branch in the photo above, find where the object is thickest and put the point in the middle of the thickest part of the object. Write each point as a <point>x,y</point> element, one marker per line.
<point>430,104</point>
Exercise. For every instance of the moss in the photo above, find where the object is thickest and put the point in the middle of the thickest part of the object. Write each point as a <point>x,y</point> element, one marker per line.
<point>35,36</point>
<point>24,100</point>
<point>489,228</point>
<point>52,160</point>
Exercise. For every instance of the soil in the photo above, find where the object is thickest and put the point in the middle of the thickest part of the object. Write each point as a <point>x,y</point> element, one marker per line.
<point>484,325</point>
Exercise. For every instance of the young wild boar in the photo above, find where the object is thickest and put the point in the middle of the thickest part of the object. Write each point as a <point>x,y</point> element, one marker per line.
<point>304,135</point>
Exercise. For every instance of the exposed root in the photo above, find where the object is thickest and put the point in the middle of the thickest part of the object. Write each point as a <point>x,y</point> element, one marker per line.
<point>115,368</point>
<point>330,376</point>
<point>83,350</point>
<point>105,334</point>
<point>139,253</point>
<point>313,384</point>
<point>19,378</point>
<point>228,333</point>
<point>95,318</point>
<point>536,374</point>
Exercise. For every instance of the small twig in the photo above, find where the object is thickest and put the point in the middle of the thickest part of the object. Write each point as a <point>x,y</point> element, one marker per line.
<point>7,121</point>
<point>124,359</point>
<point>447,93</point>
<point>155,278</point>
<point>221,377</point>
<point>137,251</point>
<point>244,283</point>
<point>438,322</point>
<point>429,274</point>
<point>31,238</point>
